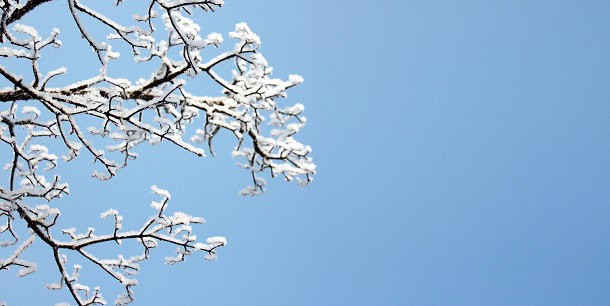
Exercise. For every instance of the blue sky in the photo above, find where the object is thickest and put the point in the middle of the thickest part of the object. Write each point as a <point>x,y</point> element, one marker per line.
<point>463,157</point>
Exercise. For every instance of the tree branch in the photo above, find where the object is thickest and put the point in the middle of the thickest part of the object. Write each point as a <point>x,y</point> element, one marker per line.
<point>28,7</point>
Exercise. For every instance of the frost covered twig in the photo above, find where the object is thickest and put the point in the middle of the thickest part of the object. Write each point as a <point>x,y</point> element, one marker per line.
<point>116,110</point>
<point>175,229</point>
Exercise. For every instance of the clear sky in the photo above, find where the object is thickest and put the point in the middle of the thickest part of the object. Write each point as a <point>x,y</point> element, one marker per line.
<point>463,150</point>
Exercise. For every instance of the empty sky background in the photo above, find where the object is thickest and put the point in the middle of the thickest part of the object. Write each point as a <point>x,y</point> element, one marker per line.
<point>463,150</point>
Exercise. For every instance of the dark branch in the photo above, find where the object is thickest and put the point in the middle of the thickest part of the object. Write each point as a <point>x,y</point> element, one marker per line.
<point>28,7</point>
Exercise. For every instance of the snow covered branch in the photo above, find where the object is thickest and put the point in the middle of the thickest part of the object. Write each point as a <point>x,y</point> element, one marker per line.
<point>86,115</point>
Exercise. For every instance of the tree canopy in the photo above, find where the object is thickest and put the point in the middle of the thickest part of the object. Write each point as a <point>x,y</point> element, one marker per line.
<point>105,116</point>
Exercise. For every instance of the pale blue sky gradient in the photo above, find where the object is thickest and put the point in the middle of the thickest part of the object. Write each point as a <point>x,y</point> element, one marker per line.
<point>463,150</point>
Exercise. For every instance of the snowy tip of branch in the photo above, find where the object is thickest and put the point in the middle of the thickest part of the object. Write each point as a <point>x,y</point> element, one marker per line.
<point>217,240</point>
<point>30,268</point>
<point>214,39</point>
<point>295,79</point>
<point>210,256</point>
<point>161,192</point>
<point>25,29</point>
<point>31,109</point>
<point>109,212</point>
<point>54,286</point>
